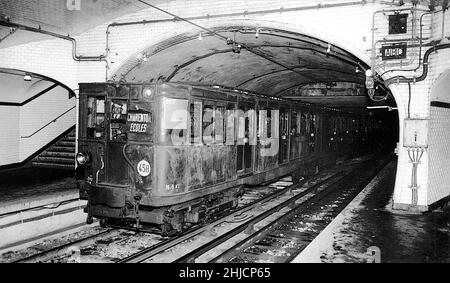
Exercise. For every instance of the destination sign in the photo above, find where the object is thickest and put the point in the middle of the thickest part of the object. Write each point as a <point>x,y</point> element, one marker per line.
<point>394,52</point>
<point>139,122</point>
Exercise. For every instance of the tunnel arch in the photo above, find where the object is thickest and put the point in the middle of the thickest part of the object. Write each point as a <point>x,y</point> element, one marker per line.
<point>188,33</point>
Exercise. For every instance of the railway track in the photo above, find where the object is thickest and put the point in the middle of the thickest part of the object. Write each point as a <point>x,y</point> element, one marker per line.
<point>47,255</point>
<point>245,226</point>
<point>282,239</point>
<point>163,246</point>
<point>253,199</point>
<point>261,204</point>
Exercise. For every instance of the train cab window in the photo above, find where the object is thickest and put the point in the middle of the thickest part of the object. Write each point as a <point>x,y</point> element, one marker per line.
<point>174,121</point>
<point>95,127</point>
<point>118,118</point>
<point>140,121</point>
<point>196,125</point>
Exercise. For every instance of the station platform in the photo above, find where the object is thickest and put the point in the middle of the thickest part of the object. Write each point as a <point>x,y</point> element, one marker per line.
<point>368,231</point>
<point>35,202</point>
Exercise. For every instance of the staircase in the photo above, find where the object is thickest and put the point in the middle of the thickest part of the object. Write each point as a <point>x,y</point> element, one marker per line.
<point>60,155</point>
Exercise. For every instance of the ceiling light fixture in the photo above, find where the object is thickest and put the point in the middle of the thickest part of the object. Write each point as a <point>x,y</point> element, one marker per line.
<point>237,48</point>
<point>27,77</point>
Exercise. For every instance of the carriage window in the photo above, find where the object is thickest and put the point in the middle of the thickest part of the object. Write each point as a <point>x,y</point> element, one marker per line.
<point>230,125</point>
<point>262,124</point>
<point>303,125</point>
<point>95,117</point>
<point>196,126</point>
<point>208,124</point>
<point>240,129</point>
<point>295,124</point>
<point>266,124</point>
<point>174,121</point>
<point>312,124</point>
<point>219,124</point>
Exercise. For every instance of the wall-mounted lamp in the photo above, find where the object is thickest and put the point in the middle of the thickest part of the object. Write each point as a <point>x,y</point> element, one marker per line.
<point>329,48</point>
<point>257,33</point>
<point>27,78</point>
<point>200,36</point>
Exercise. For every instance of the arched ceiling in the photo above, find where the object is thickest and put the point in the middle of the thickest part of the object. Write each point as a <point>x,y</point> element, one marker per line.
<point>274,63</point>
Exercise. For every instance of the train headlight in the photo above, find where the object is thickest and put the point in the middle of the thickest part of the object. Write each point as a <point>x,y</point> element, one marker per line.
<point>82,158</point>
<point>148,93</point>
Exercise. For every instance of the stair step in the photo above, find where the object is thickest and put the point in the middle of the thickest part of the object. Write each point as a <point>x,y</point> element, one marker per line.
<point>66,143</point>
<point>62,154</point>
<point>57,160</point>
<point>69,139</point>
<point>62,149</point>
<point>53,166</point>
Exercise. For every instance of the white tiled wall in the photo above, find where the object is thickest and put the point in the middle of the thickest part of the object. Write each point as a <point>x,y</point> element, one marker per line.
<point>439,154</point>
<point>9,135</point>
<point>39,113</point>
<point>17,122</point>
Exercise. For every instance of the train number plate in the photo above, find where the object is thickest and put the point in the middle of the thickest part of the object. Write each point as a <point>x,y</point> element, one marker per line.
<point>144,168</point>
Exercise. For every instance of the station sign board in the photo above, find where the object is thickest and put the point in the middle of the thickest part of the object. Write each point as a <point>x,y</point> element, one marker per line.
<point>394,52</point>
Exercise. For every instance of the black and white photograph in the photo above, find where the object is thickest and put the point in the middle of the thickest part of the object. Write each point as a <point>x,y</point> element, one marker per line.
<point>239,139</point>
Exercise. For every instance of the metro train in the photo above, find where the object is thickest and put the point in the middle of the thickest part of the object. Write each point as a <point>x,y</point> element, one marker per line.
<point>167,156</point>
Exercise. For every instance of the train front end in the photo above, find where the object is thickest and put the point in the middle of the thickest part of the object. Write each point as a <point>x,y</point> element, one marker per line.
<point>115,151</point>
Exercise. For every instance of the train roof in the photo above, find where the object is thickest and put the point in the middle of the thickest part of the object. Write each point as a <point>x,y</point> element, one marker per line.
<point>226,90</point>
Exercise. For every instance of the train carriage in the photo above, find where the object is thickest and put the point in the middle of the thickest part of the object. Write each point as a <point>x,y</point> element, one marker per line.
<point>169,155</point>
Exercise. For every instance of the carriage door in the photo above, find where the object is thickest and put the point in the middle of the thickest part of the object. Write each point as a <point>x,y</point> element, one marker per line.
<point>284,136</point>
<point>246,138</point>
<point>117,110</point>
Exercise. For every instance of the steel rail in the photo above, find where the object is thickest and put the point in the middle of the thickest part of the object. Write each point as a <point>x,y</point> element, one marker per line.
<point>261,233</point>
<point>159,248</point>
<point>312,202</point>
<point>192,256</point>
<point>48,254</point>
